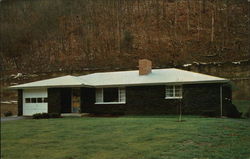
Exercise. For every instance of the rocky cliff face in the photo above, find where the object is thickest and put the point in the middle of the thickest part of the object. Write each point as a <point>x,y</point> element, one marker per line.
<point>60,35</point>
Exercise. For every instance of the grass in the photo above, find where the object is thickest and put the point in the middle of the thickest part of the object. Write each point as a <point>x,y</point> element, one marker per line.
<point>145,137</point>
<point>243,106</point>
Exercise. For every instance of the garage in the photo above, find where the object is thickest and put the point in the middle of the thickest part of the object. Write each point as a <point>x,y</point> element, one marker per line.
<point>35,101</point>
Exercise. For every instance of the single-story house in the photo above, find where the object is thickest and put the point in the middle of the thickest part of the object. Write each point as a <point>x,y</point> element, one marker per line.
<point>143,91</point>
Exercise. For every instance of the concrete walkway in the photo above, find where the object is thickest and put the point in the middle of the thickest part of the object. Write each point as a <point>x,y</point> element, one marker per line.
<point>3,119</point>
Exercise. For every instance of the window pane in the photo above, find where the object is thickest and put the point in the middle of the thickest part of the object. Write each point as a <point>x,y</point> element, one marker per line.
<point>169,91</point>
<point>33,100</point>
<point>122,95</point>
<point>45,100</point>
<point>39,100</point>
<point>98,95</point>
<point>27,100</point>
<point>178,91</point>
<point>110,94</point>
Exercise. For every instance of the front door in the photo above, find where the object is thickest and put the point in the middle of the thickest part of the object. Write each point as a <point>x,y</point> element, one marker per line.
<point>76,100</point>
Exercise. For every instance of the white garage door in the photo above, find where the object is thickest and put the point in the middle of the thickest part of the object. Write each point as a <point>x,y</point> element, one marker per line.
<point>35,101</point>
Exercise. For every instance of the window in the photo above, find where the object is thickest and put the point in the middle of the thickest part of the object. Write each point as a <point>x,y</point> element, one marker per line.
<point>27,100</point>
<point>173,92</point>
<point>39,100</point>
<point>36,100</point>
<point>33,100</point>
<point>110,96</point>
<point>45,100</point>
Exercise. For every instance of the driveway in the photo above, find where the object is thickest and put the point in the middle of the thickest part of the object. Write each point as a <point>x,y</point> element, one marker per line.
<point>3,119</point>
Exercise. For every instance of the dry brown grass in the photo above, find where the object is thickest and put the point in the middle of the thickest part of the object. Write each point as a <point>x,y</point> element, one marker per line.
<point>8,107</point>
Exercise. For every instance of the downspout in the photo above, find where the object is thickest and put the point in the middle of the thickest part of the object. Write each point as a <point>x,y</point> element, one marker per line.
<point>221,105</point>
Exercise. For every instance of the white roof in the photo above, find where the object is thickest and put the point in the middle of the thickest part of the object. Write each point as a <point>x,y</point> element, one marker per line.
<point>66,81</point>
<point>127,78</point>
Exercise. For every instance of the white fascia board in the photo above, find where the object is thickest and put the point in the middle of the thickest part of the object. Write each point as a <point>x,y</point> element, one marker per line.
<point>153,84</point>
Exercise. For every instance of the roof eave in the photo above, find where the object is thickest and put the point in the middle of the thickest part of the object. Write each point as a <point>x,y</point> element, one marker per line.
<point>49,86</point>
<point>162,83</point>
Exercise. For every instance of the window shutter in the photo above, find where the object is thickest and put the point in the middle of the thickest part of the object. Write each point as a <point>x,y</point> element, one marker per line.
<point>122,95</point>
<point>99,95</point>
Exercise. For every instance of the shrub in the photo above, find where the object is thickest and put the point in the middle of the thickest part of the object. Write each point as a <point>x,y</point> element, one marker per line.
<point>231,111</point>
<point>46,115</point>
<point>8,113</point>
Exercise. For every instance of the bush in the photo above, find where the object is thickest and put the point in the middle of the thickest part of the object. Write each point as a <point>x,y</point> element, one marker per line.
<point>231,111</point>
<point>46,115</point>
<point>8,113</point>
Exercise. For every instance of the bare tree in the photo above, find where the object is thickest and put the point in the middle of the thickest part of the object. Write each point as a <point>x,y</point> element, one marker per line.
<point>212,26</point>
<point>188,15</point>
<point>175,19</point>
<point>199,20</point>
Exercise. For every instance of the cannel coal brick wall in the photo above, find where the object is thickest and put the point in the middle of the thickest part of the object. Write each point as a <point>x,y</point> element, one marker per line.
<point>139,100</point>
<point>88,104</point>
<point>59,100</point>
<point>199,99</point>
<point>149,100</point>
<point>54,100</point>
<point>20,102</point>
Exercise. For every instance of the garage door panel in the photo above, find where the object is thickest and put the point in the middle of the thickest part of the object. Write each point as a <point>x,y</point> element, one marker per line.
<point>33,108</point>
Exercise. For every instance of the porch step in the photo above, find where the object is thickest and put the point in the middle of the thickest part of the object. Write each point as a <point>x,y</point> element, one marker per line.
<point>73,114</point>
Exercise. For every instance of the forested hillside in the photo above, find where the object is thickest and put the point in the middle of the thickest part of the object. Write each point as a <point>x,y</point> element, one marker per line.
<point>52,35</point>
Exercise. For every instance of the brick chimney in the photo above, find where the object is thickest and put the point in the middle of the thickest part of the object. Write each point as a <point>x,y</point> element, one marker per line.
<point>145,66</point>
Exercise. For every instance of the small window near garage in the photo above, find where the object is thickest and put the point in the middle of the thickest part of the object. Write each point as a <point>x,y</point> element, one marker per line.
<point>27,100</point>
<point>45,100</point>
<point>33,100</point>
<point>110,96</point>
<point>173,92</point>
<point>39,100</point>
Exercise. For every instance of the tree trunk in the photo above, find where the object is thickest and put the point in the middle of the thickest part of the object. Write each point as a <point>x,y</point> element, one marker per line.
<point>199,20</point>
<point>203,6</point>
<point>175,20</point>
<point>188,12</point>
<point>212,29</point>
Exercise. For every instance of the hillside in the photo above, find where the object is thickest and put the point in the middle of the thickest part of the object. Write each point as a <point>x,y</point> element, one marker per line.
<point>47,36</point>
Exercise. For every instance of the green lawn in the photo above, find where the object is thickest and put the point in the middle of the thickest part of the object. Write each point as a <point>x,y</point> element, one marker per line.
<point>146,137</point>
<point>243,106</point>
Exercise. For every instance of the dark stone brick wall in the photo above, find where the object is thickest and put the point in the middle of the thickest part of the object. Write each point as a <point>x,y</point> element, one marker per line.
<point>88,104</point>
<point>20,102</point>
<point>139,100</point>
<point>54,100</point>
<point>149,100</point>
<point>201,99</point>
<point>198,99</point>
<point>59,100</point>
<point>65,100</point>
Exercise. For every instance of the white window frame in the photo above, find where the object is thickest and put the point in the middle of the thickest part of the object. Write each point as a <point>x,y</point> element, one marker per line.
<point>174,92</point>
<point>121,96</point>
